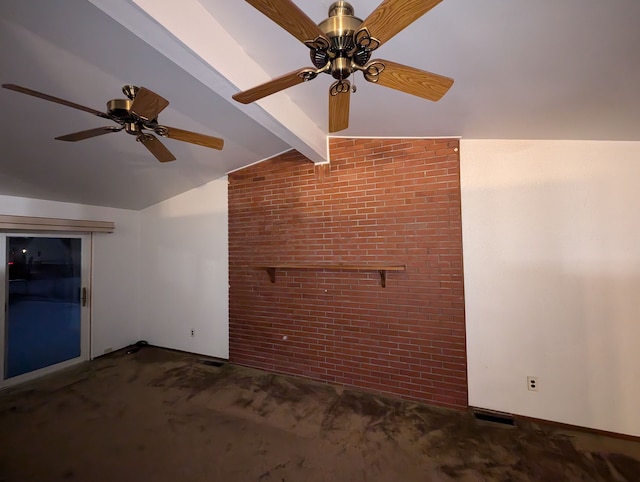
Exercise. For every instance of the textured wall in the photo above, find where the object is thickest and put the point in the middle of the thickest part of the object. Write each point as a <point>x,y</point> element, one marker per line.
<point>184,263</point>
<point>381,201</point>
<point>552,276</point>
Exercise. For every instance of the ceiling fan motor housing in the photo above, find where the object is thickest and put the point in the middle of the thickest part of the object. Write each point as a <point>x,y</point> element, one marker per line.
<point>119,108</point>
<point>120,111</point>
<point>339,28</point>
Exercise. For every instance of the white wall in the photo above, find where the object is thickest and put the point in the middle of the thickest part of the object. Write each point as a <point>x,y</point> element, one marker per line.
<point>184,271</point>
<point>115,275</point>
<point>551,238</point>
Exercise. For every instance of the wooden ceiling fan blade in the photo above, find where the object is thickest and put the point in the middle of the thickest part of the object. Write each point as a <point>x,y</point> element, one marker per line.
<point>156,147</point>
<point>291,18</point>
<point>57,100</point>
<point>276,85</point>
<point>195,138</point>
<point>79,136</point>
<point>147,104</point>
<point>339,103</point>
<point>392,16</point>
<point>410,80</point>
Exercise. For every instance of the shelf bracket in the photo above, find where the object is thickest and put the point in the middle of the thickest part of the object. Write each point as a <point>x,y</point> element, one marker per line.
<point>383,278</point>
<point>272,274</point>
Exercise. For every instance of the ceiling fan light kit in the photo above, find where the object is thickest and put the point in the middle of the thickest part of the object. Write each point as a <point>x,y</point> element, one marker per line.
<point>341,45</point>
<point>136,115</point>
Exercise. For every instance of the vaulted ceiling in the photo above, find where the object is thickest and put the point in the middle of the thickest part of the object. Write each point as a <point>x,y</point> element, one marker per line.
<point>522,69</point>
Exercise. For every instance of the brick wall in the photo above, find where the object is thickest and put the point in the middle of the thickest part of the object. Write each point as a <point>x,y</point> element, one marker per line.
<point>380,201</point>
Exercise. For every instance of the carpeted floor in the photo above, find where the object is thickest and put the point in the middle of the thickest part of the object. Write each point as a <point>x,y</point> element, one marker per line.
<point>157,415</point>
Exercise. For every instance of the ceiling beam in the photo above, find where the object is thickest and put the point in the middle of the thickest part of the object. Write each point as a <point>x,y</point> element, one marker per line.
<point>187,34</point>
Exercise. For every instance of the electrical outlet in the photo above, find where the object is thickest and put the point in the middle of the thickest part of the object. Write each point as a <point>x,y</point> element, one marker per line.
<point>532,383</point>
<point>193,333</point>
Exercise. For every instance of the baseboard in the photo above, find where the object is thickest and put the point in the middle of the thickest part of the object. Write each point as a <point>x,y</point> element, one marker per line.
<point>515,419</point>
<point>578,428</point>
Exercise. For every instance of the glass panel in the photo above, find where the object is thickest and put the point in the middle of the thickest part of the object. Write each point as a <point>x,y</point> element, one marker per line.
<point>43,304</point>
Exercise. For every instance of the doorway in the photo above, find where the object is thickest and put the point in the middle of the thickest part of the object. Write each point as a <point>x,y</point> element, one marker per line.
<point>45,323</point>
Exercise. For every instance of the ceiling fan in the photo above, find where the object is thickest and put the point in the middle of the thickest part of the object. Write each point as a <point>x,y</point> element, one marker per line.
<point>342,45</point>
<point>135,115</point>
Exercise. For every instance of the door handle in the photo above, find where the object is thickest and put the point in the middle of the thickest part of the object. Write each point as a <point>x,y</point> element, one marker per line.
<point>84,296</point>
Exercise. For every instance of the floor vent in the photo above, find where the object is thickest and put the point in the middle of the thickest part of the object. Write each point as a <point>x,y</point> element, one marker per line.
<point>211,363</point>
<point>495,417</point>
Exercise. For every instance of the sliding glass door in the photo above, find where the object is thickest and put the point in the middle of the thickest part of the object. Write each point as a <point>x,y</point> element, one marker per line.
<point>46,317</point>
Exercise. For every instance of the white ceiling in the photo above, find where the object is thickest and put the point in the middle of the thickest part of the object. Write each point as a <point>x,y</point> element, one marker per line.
<point>568,69</point>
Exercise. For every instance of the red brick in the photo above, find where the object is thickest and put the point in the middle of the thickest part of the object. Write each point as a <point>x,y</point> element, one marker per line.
<point>393,201</point>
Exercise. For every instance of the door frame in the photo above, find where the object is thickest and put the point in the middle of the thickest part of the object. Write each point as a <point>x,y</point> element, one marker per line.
<point>86,257</point>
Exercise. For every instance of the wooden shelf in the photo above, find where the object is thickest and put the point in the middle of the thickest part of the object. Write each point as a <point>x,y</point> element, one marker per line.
<point>381,269</point>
